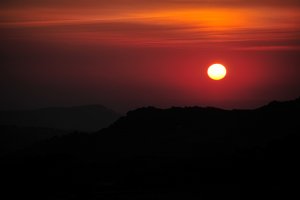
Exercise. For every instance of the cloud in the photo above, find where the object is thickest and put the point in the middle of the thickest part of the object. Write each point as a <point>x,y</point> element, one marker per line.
<point>231,28</point>
<point>147,3</point>
<point>151,33</point>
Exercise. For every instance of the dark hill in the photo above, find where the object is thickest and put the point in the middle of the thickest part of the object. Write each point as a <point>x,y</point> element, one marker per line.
<point>188,153</point>
<point>80,118</point>
<point>14,138</point>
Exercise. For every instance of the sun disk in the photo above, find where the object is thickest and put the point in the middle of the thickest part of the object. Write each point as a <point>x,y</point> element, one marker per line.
<point>216,72</point>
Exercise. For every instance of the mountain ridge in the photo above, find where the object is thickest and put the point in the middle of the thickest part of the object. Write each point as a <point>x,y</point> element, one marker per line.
<point>186,150</point>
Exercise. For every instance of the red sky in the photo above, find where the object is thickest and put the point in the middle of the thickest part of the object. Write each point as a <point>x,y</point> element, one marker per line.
<point>130,53</point>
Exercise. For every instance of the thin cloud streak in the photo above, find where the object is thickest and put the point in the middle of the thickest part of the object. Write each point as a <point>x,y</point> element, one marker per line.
<point>147,3</point>
<point>229,28</point>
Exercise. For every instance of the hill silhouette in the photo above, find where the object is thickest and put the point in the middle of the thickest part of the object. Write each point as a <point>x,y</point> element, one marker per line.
<point>79,118</point>
<point>14,138</point>
<point>151,153</point>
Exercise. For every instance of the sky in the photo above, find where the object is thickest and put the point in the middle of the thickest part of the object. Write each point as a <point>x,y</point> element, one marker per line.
<point>126,54</point>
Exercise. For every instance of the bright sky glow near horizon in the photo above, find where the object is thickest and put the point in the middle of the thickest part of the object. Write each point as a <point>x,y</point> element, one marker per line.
<point>130,53</point>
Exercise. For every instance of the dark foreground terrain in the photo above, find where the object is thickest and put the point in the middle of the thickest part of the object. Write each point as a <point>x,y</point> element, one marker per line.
<point>185,153</point>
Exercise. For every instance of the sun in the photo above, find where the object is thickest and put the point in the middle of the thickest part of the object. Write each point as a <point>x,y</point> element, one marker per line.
<point>216,72</point>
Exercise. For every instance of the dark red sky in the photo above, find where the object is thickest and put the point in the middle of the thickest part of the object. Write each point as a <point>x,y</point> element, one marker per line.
<point>130,53</point>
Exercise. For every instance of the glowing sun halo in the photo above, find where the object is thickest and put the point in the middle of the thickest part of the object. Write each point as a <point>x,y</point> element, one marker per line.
<point>216,72</point>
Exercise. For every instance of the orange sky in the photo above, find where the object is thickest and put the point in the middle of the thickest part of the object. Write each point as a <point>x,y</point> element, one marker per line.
<point>244,27</point>
<point>136,50</point>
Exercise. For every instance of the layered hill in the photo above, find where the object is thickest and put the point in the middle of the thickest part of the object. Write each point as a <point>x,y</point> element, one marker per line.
<point>79,118</point>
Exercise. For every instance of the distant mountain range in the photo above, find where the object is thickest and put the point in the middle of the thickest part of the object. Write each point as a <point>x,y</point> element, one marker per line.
<point>151,153</point>
<point>79,118</point>
<point>13,138</point>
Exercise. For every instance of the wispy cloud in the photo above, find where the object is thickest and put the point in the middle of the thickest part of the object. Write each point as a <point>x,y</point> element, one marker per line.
<point>229,27</point>
<point>147,3</point>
